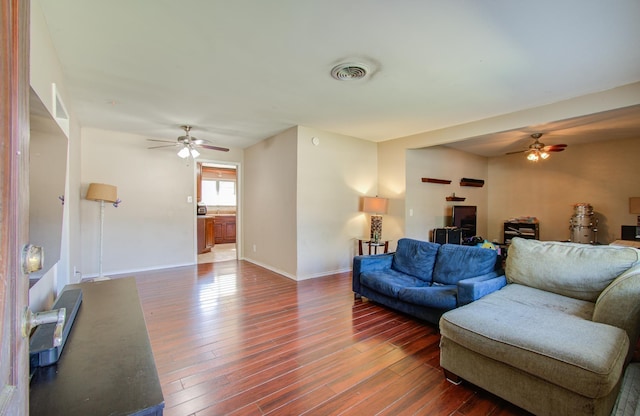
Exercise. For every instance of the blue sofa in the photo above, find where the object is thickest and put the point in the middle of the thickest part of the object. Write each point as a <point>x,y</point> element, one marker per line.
<point>427,279</point>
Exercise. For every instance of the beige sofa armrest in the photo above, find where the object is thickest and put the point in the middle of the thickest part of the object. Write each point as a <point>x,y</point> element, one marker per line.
<point>619,304</point>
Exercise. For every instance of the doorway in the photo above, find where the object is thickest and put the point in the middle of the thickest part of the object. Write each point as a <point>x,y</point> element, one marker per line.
<point>217,199</point>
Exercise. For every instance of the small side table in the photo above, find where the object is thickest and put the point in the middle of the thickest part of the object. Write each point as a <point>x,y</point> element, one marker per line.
<point>371,243</point>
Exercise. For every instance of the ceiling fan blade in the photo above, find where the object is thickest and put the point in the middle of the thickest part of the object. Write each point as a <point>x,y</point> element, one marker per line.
<point>201,141</point>
<point>161,141</point>
<point>220,149</point>
<point>165,145</point>
<point>189,142</point>
<point>555,147</point>
<point>518,151</point>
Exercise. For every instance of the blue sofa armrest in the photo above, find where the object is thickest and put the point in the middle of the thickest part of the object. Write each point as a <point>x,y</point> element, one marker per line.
<point>363,264</point>
<point>476,287</point>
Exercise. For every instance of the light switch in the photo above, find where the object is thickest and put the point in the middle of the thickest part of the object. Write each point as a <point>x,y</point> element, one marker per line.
<point>189,199</point>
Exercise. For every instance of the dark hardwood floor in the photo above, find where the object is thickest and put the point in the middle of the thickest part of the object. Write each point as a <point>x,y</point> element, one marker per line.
<point>234,338</point>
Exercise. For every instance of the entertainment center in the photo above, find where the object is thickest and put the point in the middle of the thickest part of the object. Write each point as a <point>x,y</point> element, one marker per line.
<point>463,226</point>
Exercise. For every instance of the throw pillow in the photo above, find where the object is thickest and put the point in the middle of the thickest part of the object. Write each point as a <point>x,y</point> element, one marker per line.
<point>455,262</point>
<point>415,258</point>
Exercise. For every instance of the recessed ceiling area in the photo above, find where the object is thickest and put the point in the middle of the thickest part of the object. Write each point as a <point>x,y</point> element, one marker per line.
<point>242,71</point>
<point>623,123</point>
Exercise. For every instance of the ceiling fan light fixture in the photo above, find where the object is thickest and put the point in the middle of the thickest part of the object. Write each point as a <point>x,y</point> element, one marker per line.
<point>194,153</point>
<point>184,152</point>
<point>535,155</point>
<point>538,150</point>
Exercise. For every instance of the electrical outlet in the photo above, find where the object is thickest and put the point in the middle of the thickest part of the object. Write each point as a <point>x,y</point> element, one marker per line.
<point>254,248</point>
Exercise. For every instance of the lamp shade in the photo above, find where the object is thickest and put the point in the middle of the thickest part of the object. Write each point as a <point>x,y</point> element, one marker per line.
<point>634,205</point>
<point>374,205</point>
<point>102,192</point>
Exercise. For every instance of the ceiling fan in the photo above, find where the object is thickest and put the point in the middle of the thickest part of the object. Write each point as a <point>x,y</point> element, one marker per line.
<point>538,150</point>
<point>188,144</point>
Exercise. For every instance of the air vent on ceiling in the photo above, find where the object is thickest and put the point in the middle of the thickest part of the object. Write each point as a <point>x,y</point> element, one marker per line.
<point>349,72</point>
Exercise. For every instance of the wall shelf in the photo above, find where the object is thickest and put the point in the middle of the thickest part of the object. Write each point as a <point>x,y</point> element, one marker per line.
<point>472,182</point>
<point>433,180</point>
<point>453,197</point>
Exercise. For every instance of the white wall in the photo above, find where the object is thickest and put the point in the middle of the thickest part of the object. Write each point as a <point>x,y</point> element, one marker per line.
<point>45,70</point>
<point>427,200</point>
<point>269,209</point>
<point>302,200</point>
<point>48,148</point>
<point>154,226</point>
<point>332,177</point>
<point>44,64</point>
<point>603,174</point>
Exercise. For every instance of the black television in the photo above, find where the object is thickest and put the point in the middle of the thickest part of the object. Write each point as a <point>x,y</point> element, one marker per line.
<point>464,218</point>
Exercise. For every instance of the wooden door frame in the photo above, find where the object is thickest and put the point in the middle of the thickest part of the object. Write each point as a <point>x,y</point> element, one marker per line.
<point>14,203</point>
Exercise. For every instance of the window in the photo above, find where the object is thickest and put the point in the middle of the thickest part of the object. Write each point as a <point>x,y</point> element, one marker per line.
<point>219,192</point>
<point>218,185</point>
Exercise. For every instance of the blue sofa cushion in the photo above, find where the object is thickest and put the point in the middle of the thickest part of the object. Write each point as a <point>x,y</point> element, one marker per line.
<point>435,296</point>
<point>415,258</point>
<point>455,263</point>
<point>389,282</point>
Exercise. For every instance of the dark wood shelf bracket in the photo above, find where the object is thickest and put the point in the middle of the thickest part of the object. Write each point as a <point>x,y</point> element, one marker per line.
<point>433,180</point>
<point>472,182</point>
<point>453,197</point>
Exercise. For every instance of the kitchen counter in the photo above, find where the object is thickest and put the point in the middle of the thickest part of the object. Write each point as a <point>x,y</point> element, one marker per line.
<point>216,215</point>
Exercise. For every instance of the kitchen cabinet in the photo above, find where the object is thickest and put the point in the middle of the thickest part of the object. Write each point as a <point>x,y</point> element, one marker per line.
<point>224,229</point>
<point>206,238</point>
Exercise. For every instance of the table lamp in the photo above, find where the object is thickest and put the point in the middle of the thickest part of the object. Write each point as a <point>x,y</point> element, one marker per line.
<point>376,207</point>
<point>102,192</point>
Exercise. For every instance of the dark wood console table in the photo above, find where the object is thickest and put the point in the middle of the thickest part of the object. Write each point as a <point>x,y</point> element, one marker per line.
<point>107,366</point>
<point>382,243</point>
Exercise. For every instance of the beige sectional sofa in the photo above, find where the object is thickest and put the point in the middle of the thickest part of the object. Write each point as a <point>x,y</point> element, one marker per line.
<point>557,339</point>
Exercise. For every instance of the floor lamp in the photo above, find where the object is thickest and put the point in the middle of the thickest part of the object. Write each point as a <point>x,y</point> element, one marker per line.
<point>102,192</point>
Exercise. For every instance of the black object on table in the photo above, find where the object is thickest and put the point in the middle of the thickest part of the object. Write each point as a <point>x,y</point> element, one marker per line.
<point>107,366</point>
<point>630,233</point>
<point>42,351</point>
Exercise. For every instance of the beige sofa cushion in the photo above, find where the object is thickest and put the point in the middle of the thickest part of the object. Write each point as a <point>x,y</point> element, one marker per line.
<point>580,271</point>
<point>619,303</point>
<point>543,334</point>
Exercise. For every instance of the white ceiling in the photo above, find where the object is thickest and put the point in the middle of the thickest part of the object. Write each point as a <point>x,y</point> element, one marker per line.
<point>243,70</point>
